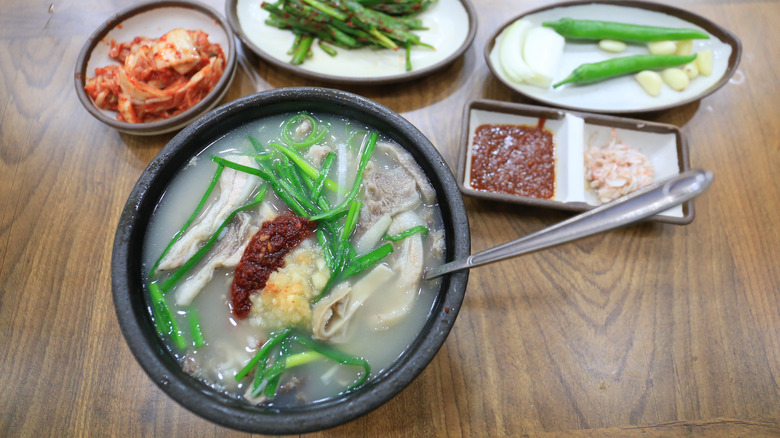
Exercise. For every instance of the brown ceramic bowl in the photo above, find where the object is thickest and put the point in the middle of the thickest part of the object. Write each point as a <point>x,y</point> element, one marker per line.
<point>153,20</point>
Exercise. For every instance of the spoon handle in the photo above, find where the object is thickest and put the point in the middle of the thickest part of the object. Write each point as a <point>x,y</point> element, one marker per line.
<point>631,208</point>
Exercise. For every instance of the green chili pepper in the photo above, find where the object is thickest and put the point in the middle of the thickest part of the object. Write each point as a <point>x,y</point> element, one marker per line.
<point>599,71</point>
<point>608,30</point>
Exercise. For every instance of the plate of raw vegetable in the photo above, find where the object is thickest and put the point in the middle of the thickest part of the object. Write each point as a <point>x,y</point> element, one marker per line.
<point>613,56</point>
<point>360,42</point>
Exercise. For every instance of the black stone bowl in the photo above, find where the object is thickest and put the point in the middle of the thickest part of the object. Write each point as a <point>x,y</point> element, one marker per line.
<point>132,304</point>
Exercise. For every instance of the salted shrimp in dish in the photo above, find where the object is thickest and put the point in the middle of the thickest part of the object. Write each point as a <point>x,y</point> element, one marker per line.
<point>616,169</point>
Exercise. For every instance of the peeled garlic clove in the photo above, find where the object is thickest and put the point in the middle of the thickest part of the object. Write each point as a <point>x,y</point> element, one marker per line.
<point>684,47</point>
<point>612,46</point>
<point>662,47</point>
<point>618,182</point>
<point>704,60</point>
<point>650,81</point>
<point>675,78</point>
<point>691,69</point>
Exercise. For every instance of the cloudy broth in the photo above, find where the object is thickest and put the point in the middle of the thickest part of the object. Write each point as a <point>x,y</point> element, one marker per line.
<point>230,342</point>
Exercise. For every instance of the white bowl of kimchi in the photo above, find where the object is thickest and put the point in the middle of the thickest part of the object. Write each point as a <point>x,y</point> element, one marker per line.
<point>156,67</point>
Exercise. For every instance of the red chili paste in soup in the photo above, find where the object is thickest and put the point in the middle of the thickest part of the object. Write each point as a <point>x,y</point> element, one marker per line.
<point>265,254</point>
<point>514,159</point>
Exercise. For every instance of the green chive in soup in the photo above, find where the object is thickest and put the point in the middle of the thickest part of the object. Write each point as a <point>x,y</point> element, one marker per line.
<point>284,262</point>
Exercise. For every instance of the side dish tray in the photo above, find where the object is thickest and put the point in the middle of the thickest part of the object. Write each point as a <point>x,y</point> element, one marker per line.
<point>573,132</point>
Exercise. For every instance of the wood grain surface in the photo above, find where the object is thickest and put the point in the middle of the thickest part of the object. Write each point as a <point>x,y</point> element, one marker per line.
<point>654,330</point>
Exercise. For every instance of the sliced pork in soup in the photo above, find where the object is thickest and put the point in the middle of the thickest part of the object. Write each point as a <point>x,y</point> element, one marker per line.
<point>287,252</point>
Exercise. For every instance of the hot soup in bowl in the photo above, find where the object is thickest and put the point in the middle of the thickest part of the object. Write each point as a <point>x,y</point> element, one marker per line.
<point>267,265</point>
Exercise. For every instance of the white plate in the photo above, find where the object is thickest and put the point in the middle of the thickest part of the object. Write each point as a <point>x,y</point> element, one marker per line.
<point>451,29</point>
<point>622,94</point>
<point>663,144</point>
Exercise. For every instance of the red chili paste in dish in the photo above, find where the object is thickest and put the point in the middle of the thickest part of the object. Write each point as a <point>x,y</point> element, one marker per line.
<point>265,254</point>
<point>514,159</point>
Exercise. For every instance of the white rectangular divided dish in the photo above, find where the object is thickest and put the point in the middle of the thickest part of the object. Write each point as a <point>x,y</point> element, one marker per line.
<point>573,132</point>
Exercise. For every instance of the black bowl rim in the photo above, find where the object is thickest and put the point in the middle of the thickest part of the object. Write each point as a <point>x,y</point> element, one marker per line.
<point>132,309</point>
<point>180,120</point>
<point>232,18</point>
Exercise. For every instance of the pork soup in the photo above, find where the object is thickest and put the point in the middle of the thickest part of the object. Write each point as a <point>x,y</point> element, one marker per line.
<point>284,262</point>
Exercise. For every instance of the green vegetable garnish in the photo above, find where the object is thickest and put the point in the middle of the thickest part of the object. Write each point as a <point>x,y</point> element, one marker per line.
<point>305,166</point>
<point>195,329</point>
<point>182,271</point>
<point>263,353</point>
<point>316,135</point>
<point>320,181</point>
<point>327,49</point>
<point>347,24</point>
<point>192,217</point>
<point>367,260</point>
<point>267,379</point>
<point>364,157</point>
<point>164,320</point>
<point>302,50</point>
<point>406,233</point>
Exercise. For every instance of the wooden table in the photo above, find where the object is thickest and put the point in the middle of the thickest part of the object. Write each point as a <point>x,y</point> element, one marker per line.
<point>651,330</point>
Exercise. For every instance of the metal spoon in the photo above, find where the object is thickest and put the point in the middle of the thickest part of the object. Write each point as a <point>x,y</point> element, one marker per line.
<point>631,208</point>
